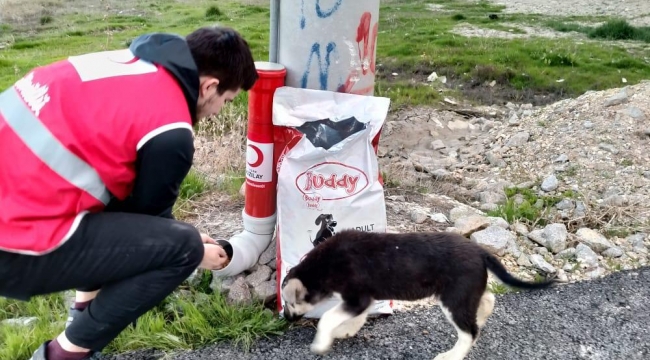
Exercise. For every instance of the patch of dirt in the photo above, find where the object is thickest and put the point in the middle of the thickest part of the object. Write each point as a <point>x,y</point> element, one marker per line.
<point>216,214</point>
<point>637,12</point>
<point>28,14</point>
<point>485,85</point>
<point>470,30</point>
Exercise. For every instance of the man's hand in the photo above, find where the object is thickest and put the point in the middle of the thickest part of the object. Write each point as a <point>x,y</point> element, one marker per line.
<point>214,257</point>
<point>207,239</point>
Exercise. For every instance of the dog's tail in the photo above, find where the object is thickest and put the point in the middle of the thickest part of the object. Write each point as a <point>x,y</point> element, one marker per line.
<point>494,265</point>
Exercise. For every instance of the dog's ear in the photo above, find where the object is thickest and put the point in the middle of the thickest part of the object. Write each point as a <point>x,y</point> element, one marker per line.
<point>320,218</point>
<point>295,291</point>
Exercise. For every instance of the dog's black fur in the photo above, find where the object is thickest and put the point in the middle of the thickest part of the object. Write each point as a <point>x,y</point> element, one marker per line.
<point>366,266</point>
<point>327,225</point>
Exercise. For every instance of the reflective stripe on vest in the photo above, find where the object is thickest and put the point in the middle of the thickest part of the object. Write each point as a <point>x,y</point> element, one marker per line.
<point>48,148</point>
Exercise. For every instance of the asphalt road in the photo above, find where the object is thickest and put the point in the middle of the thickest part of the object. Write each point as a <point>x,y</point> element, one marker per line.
<point>607,318</point>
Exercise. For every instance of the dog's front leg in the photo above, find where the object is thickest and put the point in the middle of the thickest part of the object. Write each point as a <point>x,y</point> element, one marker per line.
<point>333,318</point>
<point>351,327</point>
<point>330,320</point>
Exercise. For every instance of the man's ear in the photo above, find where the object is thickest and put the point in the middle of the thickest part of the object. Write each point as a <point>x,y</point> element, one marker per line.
<point>208,86</point>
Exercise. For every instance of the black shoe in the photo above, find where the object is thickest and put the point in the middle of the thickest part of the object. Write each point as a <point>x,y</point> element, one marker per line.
<point>41,353</point>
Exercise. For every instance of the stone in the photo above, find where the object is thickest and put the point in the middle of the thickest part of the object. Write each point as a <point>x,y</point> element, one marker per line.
<point>608,147</point>
<point>635,113</point>
<point>566,254</point>
<point>568,267</point>
<point>223,285</point>
<point>489,207</point>
<point>565,204</point>
<point>523,260</point>
<point>498,221</point>
<point>21,321</point>
<point>470,224</point>
<point>460,211</point>
<point>437,145</point>
<point>595,273</point>
<point>494,239</point>
<point>613,252</point>
<point>518,139</point>
<point>593,239</point>
<point>439,218</point>
<point>586,257</point>
<point>495,160</point>
<point>239,292</point>
<point>617,99</point>
<point>513,248</point>
<point>636,241</point>
<point>541,251</point>
<point>514,120</point>
<point>398,198</point>
<point>520,229</point>
<point>553,237</point>
<point>269,254</point>
<point>541,264</point>
<point>580,210</point>
<point>491,197</point>
<point>273,264</point>
<point>550,183</point>
<point>260,275</point>
<point>561,276</point>
<point>266,290</point>
<point>561,159</point>
<point>440,174</point>
<point>418,216</point>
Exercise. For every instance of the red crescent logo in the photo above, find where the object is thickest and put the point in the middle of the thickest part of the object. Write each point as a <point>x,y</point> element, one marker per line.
<point>260,156</point>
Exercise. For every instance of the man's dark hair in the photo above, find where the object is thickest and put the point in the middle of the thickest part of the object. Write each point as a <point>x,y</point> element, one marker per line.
<point>223,53</point>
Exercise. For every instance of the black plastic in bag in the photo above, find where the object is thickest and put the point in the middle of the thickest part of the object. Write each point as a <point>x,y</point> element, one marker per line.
<point>326,133</point>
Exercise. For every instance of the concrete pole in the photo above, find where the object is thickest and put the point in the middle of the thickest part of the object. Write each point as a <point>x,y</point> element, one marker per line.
<point>274,28</point>
<point>328,44</point>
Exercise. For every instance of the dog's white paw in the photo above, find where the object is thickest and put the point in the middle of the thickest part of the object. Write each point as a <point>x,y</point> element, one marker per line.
<point>449,355</point>
<point>343,331</point>
<point>320,347</point>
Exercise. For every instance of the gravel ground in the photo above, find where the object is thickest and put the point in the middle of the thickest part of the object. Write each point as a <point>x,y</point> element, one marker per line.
<point>600,319</point>
<point>637,12</point>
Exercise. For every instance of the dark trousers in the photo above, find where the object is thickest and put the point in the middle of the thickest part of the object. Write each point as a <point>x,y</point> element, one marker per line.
<point>136,260</point>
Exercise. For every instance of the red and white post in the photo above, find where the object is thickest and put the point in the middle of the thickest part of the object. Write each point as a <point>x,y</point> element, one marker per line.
<point>259,214</point>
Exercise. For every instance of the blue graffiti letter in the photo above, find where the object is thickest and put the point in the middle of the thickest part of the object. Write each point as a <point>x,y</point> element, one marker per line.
<point>319,11</point>
<point>327,13</point>
<point>323,70</point>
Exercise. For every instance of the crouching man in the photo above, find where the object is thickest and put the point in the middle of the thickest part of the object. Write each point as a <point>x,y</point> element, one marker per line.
<point>93,150</point>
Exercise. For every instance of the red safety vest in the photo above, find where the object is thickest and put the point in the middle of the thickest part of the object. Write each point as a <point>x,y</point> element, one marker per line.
<point>69,136</point>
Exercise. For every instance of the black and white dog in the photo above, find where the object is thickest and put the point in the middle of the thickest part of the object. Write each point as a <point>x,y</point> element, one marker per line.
<point>363,267</point>
<point>327,224</point>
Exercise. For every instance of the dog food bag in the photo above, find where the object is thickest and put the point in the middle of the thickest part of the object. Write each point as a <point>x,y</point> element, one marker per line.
<point>325,144</point>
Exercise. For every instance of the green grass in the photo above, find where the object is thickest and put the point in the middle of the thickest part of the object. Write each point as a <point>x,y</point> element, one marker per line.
<point>194,184</point>
<point>611,30</point>
<point>524,205</point>
<point>185,320</point>
<point>415,41</point>
<point>231,183</point>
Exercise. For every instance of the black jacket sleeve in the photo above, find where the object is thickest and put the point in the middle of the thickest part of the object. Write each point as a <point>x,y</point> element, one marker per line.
<point>161,165</point>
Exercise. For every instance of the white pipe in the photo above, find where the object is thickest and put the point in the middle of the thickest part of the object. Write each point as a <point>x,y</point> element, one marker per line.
<point>248,245</point>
